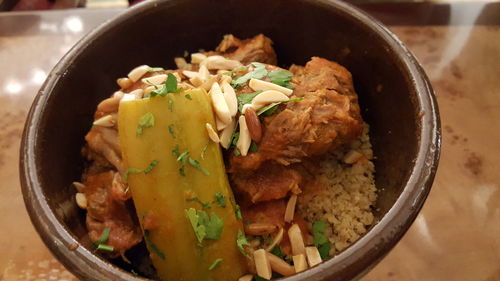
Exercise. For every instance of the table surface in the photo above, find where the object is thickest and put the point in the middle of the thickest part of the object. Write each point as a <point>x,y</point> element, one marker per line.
<point>456,235</point>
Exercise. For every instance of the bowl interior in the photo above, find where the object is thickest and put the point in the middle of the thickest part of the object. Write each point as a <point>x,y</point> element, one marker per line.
<point>160,31</point>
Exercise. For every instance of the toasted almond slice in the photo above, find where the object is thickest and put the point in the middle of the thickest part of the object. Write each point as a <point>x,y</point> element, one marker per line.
<point>81,200</point>
<point>197,57</point>
<point>212,133</point>
<point>177,76</point>
<point>280,266</point>
<point>190,74</point>
<point>79,186</point>
<point>248,277</point>
<point>260,228</point>
<point>268,97</point>
<point>124,82</point>
<point>105,121</point>
<point>128,97</point>
<point>290,208</point>
<point>230,97</point>
<point>352,157</point>
<point>261,85</point>
<point>203,73</point>
<point>118,94</point>
<point>277,239</point>
<point>136,73</point>
<point>138,93</point>
<point>196,81</point>
<point>220,62</point>
<point>219,103</point>
<point>207,85</point>
<point>225,79</point>
<point>244,139</point>
<point>313,256</point>
<point>149,89</point>
<point>296,241</point>
<point>155,80</point>
<point>299,262</point>
<point>262,264</point>
<point>249,105</point>
<point>180,62</point>
<point>219,124</point>
<point>227,133</point>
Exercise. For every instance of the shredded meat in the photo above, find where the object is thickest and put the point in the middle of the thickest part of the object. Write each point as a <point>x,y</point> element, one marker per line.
<point>106,209</point>
<point>256,49</point>
<point>327,117</point>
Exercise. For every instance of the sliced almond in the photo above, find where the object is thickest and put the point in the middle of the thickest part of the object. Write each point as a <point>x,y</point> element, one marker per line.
<point>128,97</point>
<point>225,79</point>
<point>79,186</point>
<point>219,103</point>
<point>118,94</point>
<point>260,228</point>
<point>227,134</point>
<point>155,80</point>
<point>248,277</point>
<point>203,73</point>
<point>137,73</point>
<point>249,105</point>
<point>219,124</point>
<point>253,124</point>
<point>138,93</point>
<point>197,57</point>
<point>313,256</point>
<point>296,241</point>
<point>262,264</point>
<point>230,97</point>
<point>180,62</point>
<point>290,208</point>
<point>244,139</point>
<point>268,97</point>
<point>81,200</point>
<point>276,240</point>
<point>124,82</point>
<point>149,89</point>
<point>352,157</point>
<point>196,81</point>
<point>105,121</point>
<point>261,85</point>
<point>212,134</point>
<point>221,71</point>
<point>299,263</point>
<point>207,85</point>
<point>220,62</point>
<point>190,74</point>
<point>280,266</point>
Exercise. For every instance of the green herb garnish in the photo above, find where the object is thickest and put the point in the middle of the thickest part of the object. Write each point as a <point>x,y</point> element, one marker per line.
<point>258,73</point>
<point>245,99</point>
<point>170,105</point>
<point>171,130</point>
<point>237,212</point>
<point>270,109</point>
<point>230,73</point>
<point>205,226</point>
<point>220,199</point>
<point>183,159</point>
<point>188,96</point>
<point>175,151</point>
<point>104,236</point>
<point>202,153</point>
<point>146,121</point>
<point>147,170</point>
<point>196,199</point>
<point>153,246</point>
<point>253,147</point>
<point>106,248</point>
<point>170,86</point>
<point>241,241</point>
<point>215,263</point>
<point>320,240</point>
<point>195,163</point>
<point>280,77</point>
<point>278,252</point>
<point>151,166</point>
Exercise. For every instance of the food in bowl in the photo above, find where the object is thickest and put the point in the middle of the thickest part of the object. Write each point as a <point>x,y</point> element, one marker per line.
<point>229,167</point>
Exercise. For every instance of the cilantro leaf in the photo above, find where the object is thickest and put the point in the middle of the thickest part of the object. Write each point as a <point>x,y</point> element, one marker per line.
<point>153,246</point>
<point>246,99</point>
<point>237,212</point>
<point>220,199</point>
<point>145,121</point>
<point>230,73</point>
<point>171,130</point>
<point>205,226</point>
<point>271,108</point>
<point>183,159</point>
<point>104,247</point>
<point>258,73</point>
<point>253,147</point>
<point>175,151</point>
<point>147,170</point>
<point>280,77</point>
<point>188,96</point>
<point>320,239</point>
<point>104,236</point>
<point>278,252</point>
<point>215,263</point>
<point>151,166</point>
<point>241,241</point>
<point>195,163</point>
<point>194,218</point>
<point>196,199</point>
<point>170,86</point>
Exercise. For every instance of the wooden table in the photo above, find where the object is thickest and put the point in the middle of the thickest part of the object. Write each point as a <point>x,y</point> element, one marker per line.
<point>457,234</point>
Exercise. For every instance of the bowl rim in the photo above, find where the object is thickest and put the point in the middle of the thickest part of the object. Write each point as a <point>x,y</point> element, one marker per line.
<point>350,263</point>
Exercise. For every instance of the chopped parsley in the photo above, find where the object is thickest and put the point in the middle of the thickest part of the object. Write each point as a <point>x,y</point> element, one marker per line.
<point>277,251</point>
<point>237,212</point>
<point>155,69</point>
<point>281,77</point>
<point>245,99</point>
<point>205,226</point>
<point>175,151</point>
<point>220,199</point>
<point>170,86</point>
<point>196,199</point>
<point>253,147</point>
<point>259,72</point>
<point>195,163</point>
<point>271,108</point>
<point>147,170</point>
<point>320,240</point>
<point>188,96</point>
<point>104,236</point>
<point>240,69</point>
<point>146,121</point>
<point>183,159</point>
<point>215,263</point>
<point>171,130</point>
<point>241,241</point>
<point>202,153</point>
<point>153,246</point>
<point>104,247</point>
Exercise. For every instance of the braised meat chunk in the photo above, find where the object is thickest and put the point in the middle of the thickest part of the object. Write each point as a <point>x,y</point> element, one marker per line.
<point>258,48</point>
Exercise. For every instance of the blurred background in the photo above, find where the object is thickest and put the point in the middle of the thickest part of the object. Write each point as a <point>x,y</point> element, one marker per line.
<point>30,5</point>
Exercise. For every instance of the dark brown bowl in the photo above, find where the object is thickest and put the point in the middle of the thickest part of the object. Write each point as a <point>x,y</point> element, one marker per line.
<point>395,96</point>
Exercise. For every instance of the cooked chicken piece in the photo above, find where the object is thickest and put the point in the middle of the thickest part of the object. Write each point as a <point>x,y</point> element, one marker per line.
<point>105,210</point>
<point>256,49</point>
<point>327,117</point>
<point>269,182</point>
<point>104,141</point>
